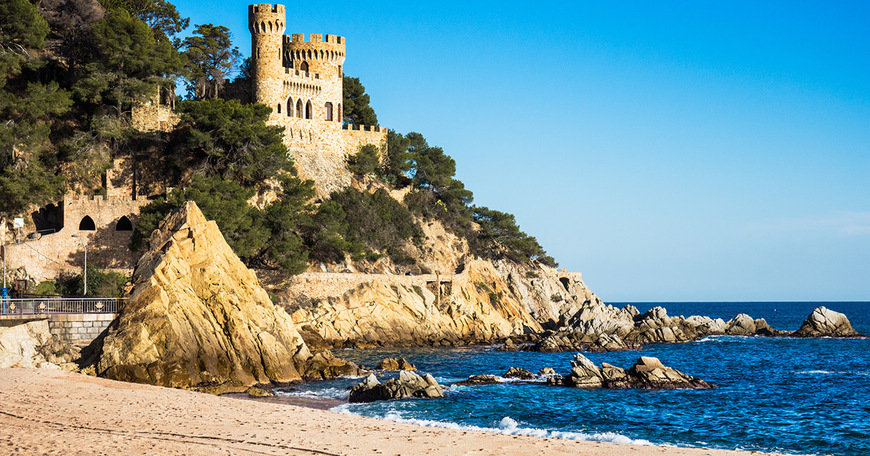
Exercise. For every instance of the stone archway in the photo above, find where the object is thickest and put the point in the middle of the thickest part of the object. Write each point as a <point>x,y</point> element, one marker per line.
<point>87,224</point>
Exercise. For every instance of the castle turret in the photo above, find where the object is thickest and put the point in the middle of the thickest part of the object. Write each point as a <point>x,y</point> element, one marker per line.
<point>267,24</point>
<point>322,56</point>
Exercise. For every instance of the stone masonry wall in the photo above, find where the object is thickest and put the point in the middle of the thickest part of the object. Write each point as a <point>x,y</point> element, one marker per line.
<point>79,329</point>
<point>54,254</point>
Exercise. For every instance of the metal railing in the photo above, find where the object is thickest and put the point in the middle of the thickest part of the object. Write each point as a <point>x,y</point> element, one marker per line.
<point>40,306</point>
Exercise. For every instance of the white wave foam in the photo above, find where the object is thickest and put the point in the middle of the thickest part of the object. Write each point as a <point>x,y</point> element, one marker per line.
<point>508,426</point>
<point>325,393</point>
<point>824,372</point>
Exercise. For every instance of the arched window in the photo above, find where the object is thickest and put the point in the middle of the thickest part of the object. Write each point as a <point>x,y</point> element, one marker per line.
<point>308,110</point>
<point>304,67</point>
<point>87,224</point>
<point>290,107</point>
<point>279,108</point>
<point>299,108</point>
<point>329,111</point>
<point>340,113</point>
<point>124,224</point>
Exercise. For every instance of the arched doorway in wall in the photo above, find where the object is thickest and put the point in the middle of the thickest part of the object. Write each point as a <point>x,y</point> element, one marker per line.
<point>124,224</point>
<point>329,111</point>
<point>299,108</point>
<point>304,67</point>
<point>87,224</point>
<point>308,110</point>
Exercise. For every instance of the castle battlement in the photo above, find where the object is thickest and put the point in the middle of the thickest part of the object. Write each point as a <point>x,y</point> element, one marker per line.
<point>317,38</point>
<point>358,127</point>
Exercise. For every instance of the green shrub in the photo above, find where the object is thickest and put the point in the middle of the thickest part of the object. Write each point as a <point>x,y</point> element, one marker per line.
<point>45,288</point>
<point>101,283</point>
<point>366,161</point>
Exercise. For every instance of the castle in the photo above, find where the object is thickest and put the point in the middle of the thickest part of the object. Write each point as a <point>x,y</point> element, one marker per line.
<point>302,82</point>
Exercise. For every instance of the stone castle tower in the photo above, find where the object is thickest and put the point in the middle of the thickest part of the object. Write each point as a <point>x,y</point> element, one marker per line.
<point>302,82</point>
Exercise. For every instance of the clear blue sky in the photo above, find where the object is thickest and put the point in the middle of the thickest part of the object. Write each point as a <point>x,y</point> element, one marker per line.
<point>667,150</point>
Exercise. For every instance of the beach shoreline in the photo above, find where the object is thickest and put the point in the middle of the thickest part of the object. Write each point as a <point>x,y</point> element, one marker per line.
<point>55,412</point>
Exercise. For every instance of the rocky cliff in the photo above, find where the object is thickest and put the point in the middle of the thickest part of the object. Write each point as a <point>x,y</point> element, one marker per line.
<point>466,300</point>
<point>198,318</point>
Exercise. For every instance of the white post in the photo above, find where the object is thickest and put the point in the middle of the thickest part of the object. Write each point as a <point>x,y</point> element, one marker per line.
<point>85,271</point>
<point>86,267</point>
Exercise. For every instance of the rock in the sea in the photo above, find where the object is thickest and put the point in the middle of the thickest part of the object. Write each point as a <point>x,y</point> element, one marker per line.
<point>198,318</point>
<point>649,372</point>
<point>547,371</point>
<point>520,373</point>
<point>324,365</point>
<point>574,340</point>
<point>823,322</point>
<point>584,373</point>
<point>396,364</point>
<point>646,373</point>
<point>407,385</point>
<point>479,380</point>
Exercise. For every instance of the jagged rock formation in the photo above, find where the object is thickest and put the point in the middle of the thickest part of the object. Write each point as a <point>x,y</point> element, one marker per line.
<point>823,322</point>
<point>597,327</point>
<point>463,301</point>
<point>198,318</point>
<point>647,373</point>
<point>407,385</point>
<point>473,306</point>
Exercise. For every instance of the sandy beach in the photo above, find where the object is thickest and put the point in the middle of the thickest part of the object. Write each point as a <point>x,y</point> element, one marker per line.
<point>47,412</point>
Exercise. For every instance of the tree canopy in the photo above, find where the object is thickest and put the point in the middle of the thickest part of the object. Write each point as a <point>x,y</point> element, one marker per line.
<point>356,103</point>
<point>211,58</point>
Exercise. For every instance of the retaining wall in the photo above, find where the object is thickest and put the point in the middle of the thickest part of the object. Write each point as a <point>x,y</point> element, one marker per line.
<point>79,329</point>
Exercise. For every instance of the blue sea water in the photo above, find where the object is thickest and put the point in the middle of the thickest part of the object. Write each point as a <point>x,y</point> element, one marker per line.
<point>802,396</point>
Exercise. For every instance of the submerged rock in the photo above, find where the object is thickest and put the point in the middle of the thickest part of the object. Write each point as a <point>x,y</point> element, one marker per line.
<point>520,373</point>
<point>407,385</point>
<point>479,380</point>
<point>198,318</point>
<point>823,322</point>
<point>647,372</point>
<point>396,364</point>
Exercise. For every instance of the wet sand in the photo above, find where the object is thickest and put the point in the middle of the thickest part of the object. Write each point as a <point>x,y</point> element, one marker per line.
<point>50,412</point>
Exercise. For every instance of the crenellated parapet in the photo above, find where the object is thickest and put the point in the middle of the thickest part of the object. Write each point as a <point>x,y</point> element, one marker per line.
<point>266,18</point>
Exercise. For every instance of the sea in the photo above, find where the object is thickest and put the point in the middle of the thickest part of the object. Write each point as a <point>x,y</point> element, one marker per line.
<point>789,395</point>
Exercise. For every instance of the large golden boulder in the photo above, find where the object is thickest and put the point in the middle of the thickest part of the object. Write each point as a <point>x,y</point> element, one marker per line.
<point>198,318</point>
